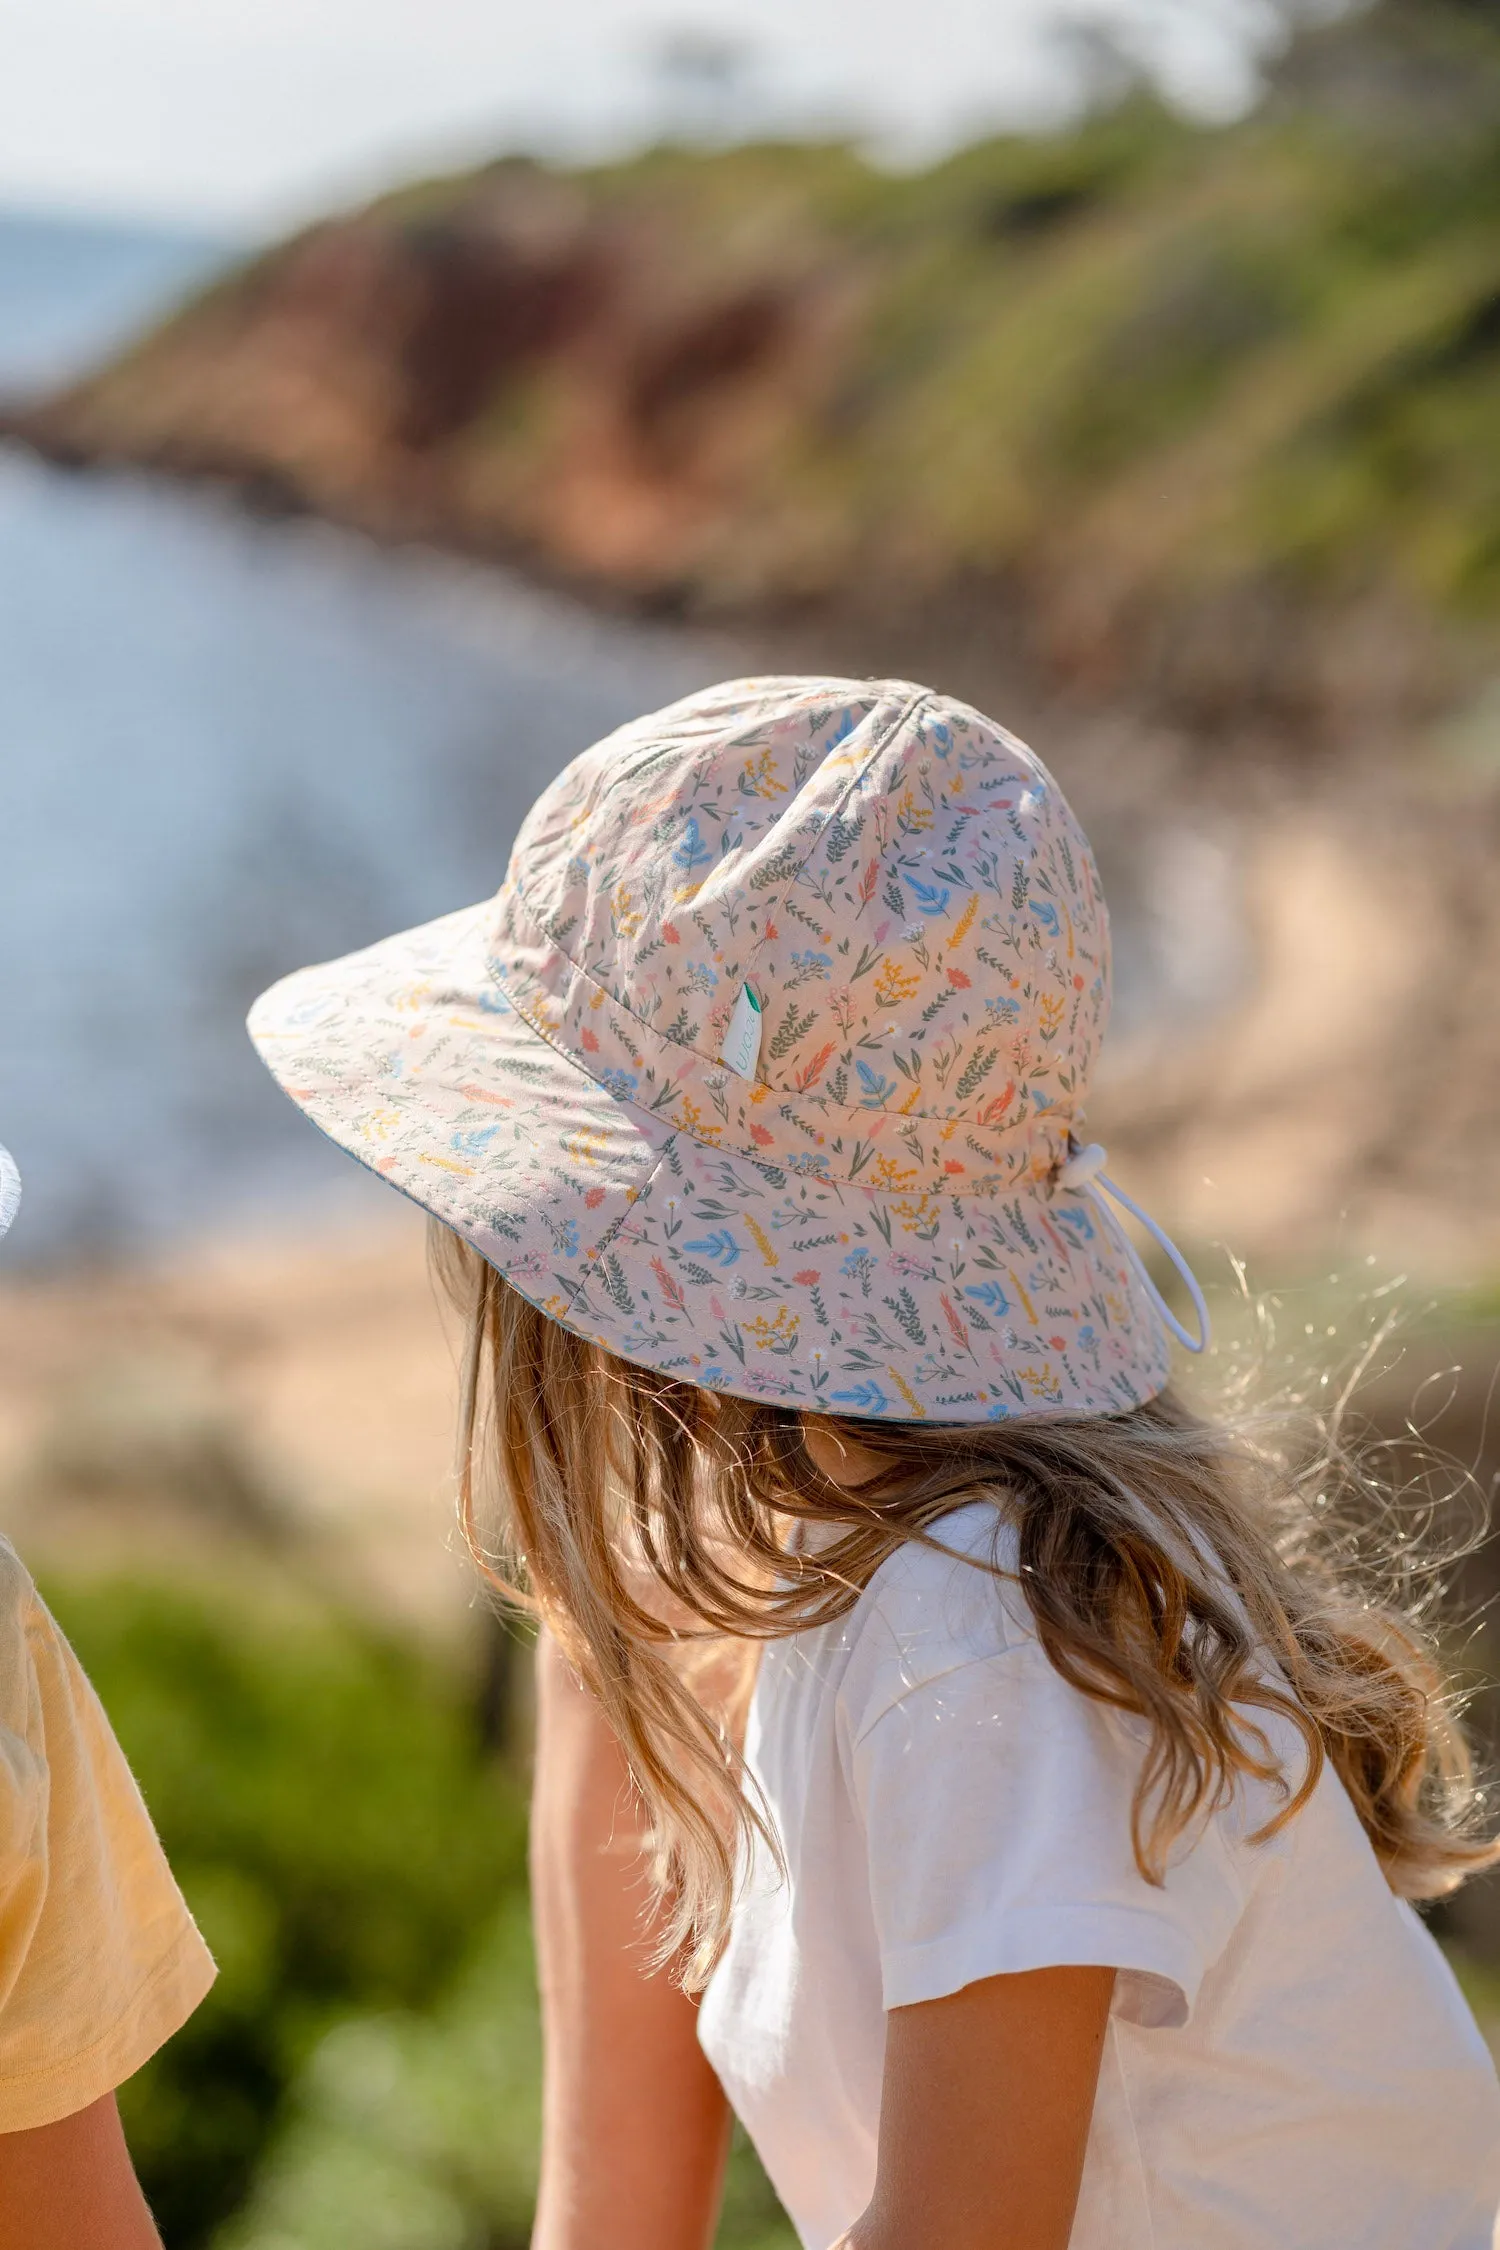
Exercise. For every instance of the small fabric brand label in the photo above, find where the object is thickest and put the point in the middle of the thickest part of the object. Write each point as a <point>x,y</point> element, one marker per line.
<point>741,1048</point>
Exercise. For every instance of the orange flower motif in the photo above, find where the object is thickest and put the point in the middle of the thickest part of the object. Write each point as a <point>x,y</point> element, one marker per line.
<point>959,981</point>
<point>992,1112</point>
<point>807,1278</point>
<point>594,1198</point>
<point>815,1069</point>
<point>671,933</point>
<point>761,1137</point>
<point>953,1165</point>
<point>668,1286</point>
<point>588,1041</point>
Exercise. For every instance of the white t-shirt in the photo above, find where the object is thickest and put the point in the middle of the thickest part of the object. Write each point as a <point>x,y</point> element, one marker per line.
<point>1290,2065</point>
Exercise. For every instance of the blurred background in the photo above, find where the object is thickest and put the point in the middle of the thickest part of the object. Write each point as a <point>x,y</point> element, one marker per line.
<point>394,400</point>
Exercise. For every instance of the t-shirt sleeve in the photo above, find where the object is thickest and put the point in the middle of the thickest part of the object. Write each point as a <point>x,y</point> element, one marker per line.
<point>996,1801</point>
<point>100,1960</point>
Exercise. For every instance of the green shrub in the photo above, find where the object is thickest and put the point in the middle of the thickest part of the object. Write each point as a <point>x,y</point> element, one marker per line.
<point>418,2131</point>
<point>323,1799</point>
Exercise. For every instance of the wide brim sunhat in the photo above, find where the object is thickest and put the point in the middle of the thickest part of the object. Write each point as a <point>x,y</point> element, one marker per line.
<point>10,1189</point>
<point>765,1067</point>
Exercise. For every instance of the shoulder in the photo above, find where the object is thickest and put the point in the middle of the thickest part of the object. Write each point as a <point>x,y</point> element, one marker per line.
<point>935,1605</point>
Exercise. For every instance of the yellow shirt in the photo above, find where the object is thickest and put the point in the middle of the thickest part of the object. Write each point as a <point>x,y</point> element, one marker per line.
<point>100,1960</point>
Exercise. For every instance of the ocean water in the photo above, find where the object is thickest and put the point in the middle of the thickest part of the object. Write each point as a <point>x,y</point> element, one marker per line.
<point>71,289</point>
<point>227,749</point>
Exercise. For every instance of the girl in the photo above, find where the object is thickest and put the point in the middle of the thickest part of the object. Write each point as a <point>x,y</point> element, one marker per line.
<point>1053,1887</point>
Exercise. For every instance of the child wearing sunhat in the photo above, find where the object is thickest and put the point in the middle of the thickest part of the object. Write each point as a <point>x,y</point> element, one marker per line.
<point>992,1777</point>
<point>99,1959</point>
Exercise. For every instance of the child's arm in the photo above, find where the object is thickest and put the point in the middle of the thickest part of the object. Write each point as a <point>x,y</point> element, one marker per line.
<point>635,2125</point>
<point>71,2186</point>
<point>984,2114</point>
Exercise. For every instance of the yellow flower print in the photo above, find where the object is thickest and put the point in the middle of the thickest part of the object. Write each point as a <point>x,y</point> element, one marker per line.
<point>1028,1306</point>
<point>380,1124</point>
<point>758,777</point>
<point>916,1212</point>
<point>775,1335</point>
<point>911,817</point>
<point>624,915</point>
<point>961,926</point>
<point>895,984</point>
<point>586,1144</point>
<point>889,1174</point>
<point>762,1241</point>
<point>1053,1009</point>
<point>692,1120</point>
<point>918,1410</point>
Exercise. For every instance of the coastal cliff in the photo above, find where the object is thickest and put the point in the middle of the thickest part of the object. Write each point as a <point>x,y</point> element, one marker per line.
<point>1204,416</point>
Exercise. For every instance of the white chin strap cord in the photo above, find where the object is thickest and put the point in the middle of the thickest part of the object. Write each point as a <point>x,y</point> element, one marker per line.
<point>1084,1174</point>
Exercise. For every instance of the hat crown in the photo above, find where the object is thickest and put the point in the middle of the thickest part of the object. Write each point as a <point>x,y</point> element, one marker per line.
<point>899,880</point>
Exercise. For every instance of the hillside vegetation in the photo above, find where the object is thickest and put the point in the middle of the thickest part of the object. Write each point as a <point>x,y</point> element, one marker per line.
<point>1212,413</point>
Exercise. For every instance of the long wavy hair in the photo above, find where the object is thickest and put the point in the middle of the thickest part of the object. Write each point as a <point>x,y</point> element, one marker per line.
<point>650,1524</point>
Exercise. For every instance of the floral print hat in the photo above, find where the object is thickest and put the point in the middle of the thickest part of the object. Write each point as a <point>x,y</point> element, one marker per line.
<point>765,1067</point>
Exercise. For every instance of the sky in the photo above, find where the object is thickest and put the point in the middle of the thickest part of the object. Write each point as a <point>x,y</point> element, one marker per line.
<point>246,114</point>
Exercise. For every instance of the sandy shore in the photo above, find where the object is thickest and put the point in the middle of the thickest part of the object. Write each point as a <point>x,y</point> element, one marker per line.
<point>282,1397</point>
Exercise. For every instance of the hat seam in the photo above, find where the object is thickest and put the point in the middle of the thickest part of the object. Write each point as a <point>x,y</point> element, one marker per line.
<point>912,703</point>
<point>813,1114</point>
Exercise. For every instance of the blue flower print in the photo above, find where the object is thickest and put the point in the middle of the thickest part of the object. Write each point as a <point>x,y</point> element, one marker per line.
<point>931,897</point>
<point>866,1398</point>
<point>621,1083</point>
<point>811,965</point>
<point>720,1246</point>
<point>474,1143</point>
<point>991,1294</point>
<point>878,1089</point>
<point>691,851</point>
<point>859,1266</point>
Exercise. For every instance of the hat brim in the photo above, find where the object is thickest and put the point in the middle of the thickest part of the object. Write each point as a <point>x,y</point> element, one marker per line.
<point>701,1264</point>
<point>10,1190</point>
